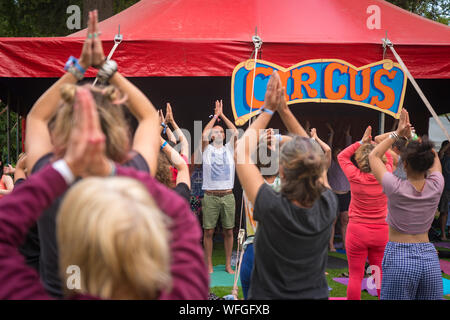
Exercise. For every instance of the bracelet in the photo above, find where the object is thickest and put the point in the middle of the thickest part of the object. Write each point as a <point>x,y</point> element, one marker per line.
<point>164,126</point>
<point>163,145</point>
<point>266,110</point>
<point>394,135</point>
<point>107,70</point>
<point>75,68</point>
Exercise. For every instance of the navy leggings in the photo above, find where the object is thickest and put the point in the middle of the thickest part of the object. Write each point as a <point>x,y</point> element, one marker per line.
<point>246,269</point>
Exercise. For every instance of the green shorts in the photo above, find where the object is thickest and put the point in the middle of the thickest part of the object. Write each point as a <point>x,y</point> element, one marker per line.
<point>214,206</point>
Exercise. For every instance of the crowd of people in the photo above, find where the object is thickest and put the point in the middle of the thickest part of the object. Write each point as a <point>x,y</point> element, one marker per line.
<point>116,203</point>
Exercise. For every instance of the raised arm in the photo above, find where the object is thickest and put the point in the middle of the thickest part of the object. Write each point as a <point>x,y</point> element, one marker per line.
<point>248,173</point>
<point>20,171</point>
<point>165,129</point>
<point>437,166</point>
<point>146,138</point>
<point>206,134</point>
<point>290,121</point>
<point>326,148</point>
<point>380,138</point>
<point>170,119</point>
<point>38,142</point>
<point>229,124</point>
<point>377,166</point>
<point>330,134</point>
<point>177,160</point>
<point>344,158</point>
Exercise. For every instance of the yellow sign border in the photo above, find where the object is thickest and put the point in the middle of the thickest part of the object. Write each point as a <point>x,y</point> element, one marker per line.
<point>387,64</point>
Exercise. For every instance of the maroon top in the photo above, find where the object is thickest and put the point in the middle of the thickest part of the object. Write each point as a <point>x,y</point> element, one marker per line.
<point>20,210</point>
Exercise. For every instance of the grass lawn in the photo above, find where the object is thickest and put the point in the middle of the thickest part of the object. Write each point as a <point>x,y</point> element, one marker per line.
<point>338,290</point>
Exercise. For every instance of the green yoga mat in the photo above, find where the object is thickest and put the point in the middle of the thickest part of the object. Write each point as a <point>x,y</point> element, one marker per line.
<point>221,278</point>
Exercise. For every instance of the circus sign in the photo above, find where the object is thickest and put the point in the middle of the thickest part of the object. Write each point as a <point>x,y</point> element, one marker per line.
<point>380,85</point>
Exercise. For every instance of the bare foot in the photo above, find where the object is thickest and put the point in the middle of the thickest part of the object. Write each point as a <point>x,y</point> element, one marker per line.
<point>229,270</point>
<point>211,270</point>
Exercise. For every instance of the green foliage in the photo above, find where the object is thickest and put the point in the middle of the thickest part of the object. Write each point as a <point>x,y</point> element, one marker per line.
<point>437,10</point>
<point>42,18</point>
<point>120,5</point>
<point>15,148</point>
<point>34,18</point>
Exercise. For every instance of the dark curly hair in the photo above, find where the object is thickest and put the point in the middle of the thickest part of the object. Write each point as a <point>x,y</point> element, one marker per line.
<point>419,155</point>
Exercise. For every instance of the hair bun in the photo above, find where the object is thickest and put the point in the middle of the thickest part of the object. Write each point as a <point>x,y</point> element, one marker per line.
<point>67,92</point>
<point>111,93</point>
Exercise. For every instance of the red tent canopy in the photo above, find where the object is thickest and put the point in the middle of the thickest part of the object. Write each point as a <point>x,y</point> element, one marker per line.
<point>209,38</point>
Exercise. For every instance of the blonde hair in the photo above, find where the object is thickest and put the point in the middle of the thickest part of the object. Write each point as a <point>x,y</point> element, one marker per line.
<point>113,231</point>
<point>112,120</point>
<point>362,157</point>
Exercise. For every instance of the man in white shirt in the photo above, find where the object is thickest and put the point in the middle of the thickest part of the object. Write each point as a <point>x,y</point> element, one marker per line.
<point>218,183</point>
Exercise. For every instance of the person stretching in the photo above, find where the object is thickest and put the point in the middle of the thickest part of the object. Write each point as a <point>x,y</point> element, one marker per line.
<point>367,231</point>
<point>218,183</point>
<point>294,225</point>
<point>411,268</point>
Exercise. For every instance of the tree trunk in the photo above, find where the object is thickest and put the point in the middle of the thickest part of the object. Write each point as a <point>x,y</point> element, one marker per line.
<point>104,7</point>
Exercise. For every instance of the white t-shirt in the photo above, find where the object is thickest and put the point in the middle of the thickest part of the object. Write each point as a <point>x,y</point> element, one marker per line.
<point>218,167</point>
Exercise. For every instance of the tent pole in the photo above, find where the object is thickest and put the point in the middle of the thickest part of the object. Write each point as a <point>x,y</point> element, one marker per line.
<point>17,130</point>
<point>381,119</point>
<point>388,43</point>
<point>257,42</point>
<point>117,40</point>
<point>8,142</point>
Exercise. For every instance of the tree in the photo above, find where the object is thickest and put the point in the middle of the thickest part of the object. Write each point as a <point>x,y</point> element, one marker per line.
<point>104,7</point>
<point>437,10</point>
<point>47,18</point>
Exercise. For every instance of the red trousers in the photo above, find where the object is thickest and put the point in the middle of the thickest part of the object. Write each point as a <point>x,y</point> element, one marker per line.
<point>364,240</point>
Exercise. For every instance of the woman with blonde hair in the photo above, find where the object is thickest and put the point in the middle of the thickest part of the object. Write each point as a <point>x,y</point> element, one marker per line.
<point>50,121</point>
<point>294,225</point>
<point>367,231</point>
<point>124,237</point>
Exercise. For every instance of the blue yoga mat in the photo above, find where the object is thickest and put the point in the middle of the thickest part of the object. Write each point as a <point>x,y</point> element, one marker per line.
<point>221,278</point>
<point>446,286</point>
